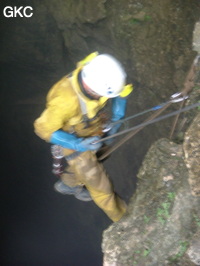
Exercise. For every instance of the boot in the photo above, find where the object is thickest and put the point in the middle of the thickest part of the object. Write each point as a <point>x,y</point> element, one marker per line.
<point>80,192</point>
<point>83,194</point>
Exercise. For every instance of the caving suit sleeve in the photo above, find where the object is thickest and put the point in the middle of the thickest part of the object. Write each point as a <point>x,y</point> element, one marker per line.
<point>59,109</point>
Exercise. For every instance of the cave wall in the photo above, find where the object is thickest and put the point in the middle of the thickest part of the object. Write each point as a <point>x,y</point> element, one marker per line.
<point>162,224</point>
<point>152,39</point>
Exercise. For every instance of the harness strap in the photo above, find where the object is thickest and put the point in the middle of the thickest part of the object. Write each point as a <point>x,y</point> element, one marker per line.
<point>82,103</point>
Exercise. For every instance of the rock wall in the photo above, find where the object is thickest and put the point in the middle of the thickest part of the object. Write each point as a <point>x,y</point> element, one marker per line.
<point>153,40</point>
<point>162,226</point>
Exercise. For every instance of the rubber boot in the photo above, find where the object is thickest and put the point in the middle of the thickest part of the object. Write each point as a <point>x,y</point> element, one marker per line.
<point>80,192</point>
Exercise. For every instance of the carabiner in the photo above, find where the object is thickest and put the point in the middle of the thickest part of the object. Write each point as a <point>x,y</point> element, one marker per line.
<point>57,151</point>
<point>106,127</point>
<point>175,98</point>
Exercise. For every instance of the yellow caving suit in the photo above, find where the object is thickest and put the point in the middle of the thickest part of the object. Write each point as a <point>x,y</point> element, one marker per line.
<point>63,111</point>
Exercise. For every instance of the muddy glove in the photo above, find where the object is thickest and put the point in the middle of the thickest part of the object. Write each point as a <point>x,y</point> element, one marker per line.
<point>118,112</point>
<point>70,141</point>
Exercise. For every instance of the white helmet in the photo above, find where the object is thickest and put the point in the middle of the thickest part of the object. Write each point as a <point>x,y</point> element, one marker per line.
<point>104,75</point>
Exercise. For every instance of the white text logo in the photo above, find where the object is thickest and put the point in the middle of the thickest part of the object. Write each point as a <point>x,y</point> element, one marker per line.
<point>13,12</point>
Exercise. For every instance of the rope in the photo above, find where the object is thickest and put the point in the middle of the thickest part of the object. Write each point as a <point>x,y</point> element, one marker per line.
<point>157,107</point>
<point>149,122</point>
<point>188,85</point>
<point>177,97</point>
<point>134,130</point>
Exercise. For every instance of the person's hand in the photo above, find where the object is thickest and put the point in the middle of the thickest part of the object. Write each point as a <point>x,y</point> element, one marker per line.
<point>89,144</point>
<point>70,141</point>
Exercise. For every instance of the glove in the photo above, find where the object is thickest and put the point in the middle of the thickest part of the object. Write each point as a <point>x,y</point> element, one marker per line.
<point>70,141</point>
<point>118,112</point>
<point>89,144</point>
<point>118,108</point>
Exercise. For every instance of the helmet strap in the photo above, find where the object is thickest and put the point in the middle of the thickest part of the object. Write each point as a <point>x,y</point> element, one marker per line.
<point>85,89</point>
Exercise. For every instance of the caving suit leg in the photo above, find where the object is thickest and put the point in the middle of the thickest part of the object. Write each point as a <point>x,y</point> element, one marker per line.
<point>86,170</point>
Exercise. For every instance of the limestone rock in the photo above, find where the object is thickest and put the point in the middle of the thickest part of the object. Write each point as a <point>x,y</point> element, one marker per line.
<point>162,225</point>
<point>192,155</point>
<point>196,38</point>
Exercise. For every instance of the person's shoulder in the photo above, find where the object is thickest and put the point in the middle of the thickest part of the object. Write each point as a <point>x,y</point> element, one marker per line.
<point>64,85</point>
<point>62,88</point>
